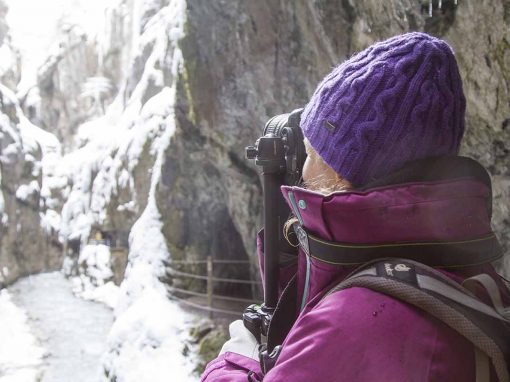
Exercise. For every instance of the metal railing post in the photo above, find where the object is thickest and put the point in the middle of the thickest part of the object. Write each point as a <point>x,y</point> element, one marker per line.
<point>210,285</point>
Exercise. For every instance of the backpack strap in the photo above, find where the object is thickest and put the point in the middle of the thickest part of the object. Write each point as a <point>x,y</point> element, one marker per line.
<point>462,253</point>
<point>492,290</point>
<point>433,292</point>
<point>482,366</point>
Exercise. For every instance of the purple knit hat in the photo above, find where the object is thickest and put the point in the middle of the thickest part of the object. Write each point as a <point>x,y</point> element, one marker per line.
<point>396,101</point>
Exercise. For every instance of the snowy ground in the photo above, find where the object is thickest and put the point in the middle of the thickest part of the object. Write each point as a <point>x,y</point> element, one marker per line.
<point>48,334</point>
<point>20,356</point>
<point>72,331</point>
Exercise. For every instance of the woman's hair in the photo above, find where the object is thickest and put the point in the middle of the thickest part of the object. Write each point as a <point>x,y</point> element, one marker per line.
<point>325,182</point>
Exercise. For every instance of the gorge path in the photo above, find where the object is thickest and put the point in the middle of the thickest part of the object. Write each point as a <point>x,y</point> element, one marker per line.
<point>73,331</point>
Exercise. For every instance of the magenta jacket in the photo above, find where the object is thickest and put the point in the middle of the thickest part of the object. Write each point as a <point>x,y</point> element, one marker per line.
<point>358,335</point>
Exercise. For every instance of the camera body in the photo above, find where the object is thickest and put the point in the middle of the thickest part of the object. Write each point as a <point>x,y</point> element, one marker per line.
<point>281,149</point>
<point>281,154</point>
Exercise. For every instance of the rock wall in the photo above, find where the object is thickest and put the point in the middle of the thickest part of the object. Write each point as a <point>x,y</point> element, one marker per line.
<point>480,36</point>
<point>60,105</point>
<point>25,248</point>
<point>244,62</point>
<point>247,61</point>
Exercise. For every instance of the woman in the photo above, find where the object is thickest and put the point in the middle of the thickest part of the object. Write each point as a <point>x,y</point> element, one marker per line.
<point>382,134</point>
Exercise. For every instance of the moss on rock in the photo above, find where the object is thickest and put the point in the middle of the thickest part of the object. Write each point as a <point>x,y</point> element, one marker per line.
<point>210,338</point>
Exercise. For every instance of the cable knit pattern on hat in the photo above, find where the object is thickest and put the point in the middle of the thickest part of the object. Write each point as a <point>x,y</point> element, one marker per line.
<point>396,101</point>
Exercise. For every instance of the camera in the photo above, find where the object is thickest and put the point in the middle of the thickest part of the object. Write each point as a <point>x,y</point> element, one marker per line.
<point>281,150</point>
<point>281,154</point>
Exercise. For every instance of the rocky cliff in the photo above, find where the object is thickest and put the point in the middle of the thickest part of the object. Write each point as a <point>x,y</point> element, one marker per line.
<point>61,81</point>
<point>27,244</point>
<point>246,61</point>
<point>243,62</point>
<point>26,247</point>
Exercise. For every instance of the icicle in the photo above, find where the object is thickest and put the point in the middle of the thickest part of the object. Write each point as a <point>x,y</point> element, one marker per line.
<point>455,2</point>
<point>440,4</point>
<point>430,8</point>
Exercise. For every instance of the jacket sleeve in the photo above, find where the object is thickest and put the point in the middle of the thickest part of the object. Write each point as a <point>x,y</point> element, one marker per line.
<point>232,367</point>
<point>238,358</point>
<point>360,335</point>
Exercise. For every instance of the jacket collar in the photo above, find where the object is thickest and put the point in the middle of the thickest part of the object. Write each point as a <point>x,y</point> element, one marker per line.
<point>438,199</point>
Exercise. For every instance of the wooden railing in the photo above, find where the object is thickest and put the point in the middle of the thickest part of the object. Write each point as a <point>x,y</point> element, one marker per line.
<point>206,300</point>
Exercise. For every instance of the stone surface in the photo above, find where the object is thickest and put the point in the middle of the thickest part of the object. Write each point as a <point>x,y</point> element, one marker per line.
<point>119,263</point>
<point>247,61</point>
<point>60,82</point>
<point>209,338</point>
<point>24,247</point>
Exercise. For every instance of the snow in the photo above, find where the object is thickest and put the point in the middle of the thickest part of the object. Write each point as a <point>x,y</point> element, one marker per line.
<point>107,293</point>
<point>72,330</point>
<point>20,355</point>
<point>146,340</point>
<point>22,144</point>
<point>40,148</point>
<point>50,220</point>
<point>95,261</point>
<point>149,338</point>
<point>95,275</point>
<point>24,191</point>
<point>109,148</point>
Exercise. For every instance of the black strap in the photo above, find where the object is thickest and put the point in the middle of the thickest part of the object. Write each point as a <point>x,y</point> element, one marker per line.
<point>284,315</point>
<point>452,254</point>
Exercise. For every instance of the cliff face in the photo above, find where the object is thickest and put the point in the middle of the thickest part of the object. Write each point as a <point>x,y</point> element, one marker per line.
<point>481,38</point>
<point>27,243</point>
<point>242,62</point>
<point>25,247</point>
<point>59,103</point>
<point>247,61</point>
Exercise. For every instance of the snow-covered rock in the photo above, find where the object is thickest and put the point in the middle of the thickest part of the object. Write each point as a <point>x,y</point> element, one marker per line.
<point>25,246</point>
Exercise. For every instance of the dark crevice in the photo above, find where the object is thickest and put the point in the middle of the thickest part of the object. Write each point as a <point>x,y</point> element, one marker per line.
<point>442,19</point>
